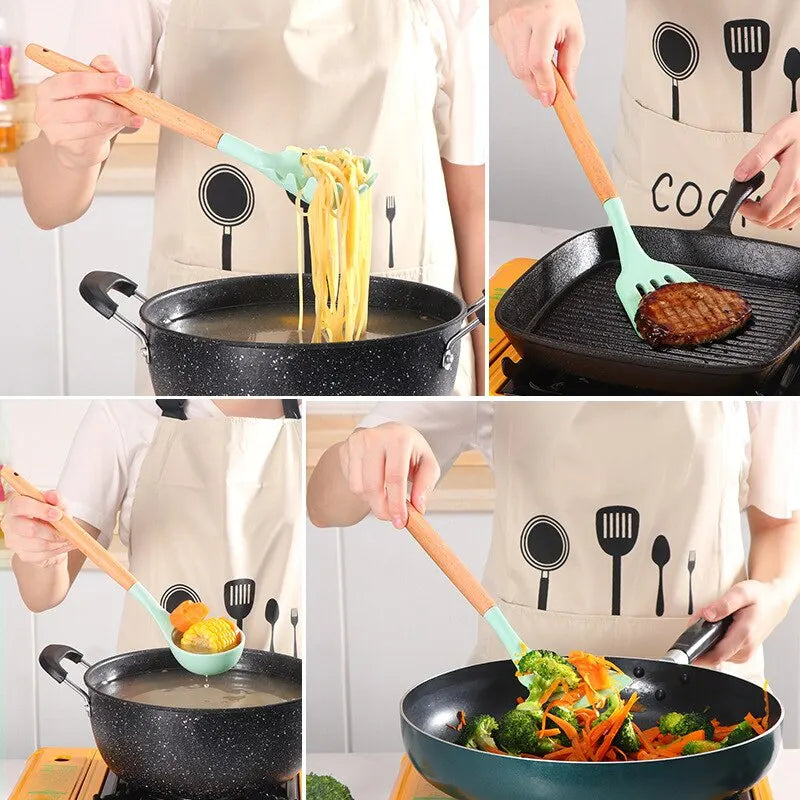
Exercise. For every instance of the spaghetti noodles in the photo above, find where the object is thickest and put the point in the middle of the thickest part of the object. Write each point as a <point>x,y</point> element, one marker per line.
<point>340,233</point>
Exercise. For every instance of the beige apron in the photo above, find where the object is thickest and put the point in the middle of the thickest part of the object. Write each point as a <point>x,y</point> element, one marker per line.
<point>218,500</point>
<point>685,111</point>
<point>339,73</point>
<point>557,465</point>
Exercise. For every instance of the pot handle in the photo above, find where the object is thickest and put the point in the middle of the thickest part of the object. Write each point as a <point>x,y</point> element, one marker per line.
<point>697,640</point>
<point>738,192</point>
<point>95,288</point>
<point>479,309</point>
<point>50,661</point>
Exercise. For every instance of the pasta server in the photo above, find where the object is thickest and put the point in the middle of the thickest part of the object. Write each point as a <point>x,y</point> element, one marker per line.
<point>198,663</point>
<point>639,273</point>
<point>282,168</point>
<point>469,586</point>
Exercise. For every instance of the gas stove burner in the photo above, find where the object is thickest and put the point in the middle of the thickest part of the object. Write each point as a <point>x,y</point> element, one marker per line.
<point>115,789</point>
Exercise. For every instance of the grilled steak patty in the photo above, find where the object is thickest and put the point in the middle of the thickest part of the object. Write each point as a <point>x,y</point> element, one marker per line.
<point>688,314</point>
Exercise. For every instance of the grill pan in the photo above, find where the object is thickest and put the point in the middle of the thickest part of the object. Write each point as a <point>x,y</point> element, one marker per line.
<point>564,314</point>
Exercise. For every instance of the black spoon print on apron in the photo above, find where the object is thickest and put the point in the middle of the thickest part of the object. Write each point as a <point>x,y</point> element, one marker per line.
<point>239,597</point>
<point>678,54</point>
<point>791,69</point>
<point>747,45</point>
<point>545,546</point>
<point>177,594</point>
<point>690,567</point>
<point>660,555</point>
<point>227,198</point>
<point>617,530</point>
<point>271,613</point>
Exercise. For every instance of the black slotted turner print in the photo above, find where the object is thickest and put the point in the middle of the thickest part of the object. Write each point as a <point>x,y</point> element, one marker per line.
<point>239,599</point>
<point>617,531</point>
<point>747,46</point>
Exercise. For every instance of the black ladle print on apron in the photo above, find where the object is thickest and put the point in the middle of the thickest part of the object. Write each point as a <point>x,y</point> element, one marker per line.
<point>660,555</point>
<point>747,45</point>
<point>239,598</point>
<point>177,594</point>
<point>677,53</point>
<point>617,530</point>
<point>228,199</point>
<point>545,546</point>
<point>791,69</point>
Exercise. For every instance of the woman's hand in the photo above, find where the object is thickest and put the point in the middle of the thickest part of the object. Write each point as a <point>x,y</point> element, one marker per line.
<point>28,532</point>
<point>757,607</point>
<point>378,463</point>
<point>528,31</point>
<point>78,123</point>
<point>780,206</point>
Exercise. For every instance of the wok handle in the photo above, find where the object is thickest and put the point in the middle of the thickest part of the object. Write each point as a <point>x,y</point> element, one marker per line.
<point>582,142</point>
<point>448,562</point>
<point>145,104</point>
<point>738,192</point>
<point>69,529</point>
<point>50,661</point>
<point>698,639</point>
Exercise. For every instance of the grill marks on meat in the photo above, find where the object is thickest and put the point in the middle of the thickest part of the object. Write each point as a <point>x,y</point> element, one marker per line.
<point>688,314</point>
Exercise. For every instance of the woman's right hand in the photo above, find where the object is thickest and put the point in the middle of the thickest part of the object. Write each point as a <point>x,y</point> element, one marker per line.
<point>379,462</point>
<point>76,120</point>
<point>529,31</point>
<point>28,532</point>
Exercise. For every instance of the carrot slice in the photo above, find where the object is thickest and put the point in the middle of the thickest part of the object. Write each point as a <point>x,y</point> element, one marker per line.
<point>188,614</point>
<point>556,754</point>
<point>755,724</point>
<point>643,738</point>
<point>619,718</point>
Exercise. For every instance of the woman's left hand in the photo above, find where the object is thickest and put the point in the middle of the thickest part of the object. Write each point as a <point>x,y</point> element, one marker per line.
<point>780,206</point>
<point>757,607</point>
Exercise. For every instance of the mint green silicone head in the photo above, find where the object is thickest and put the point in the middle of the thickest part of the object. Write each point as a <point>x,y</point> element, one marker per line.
<point>198,663</point>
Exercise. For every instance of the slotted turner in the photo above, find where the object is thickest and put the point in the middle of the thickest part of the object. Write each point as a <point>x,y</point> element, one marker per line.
<point>282,168</point>
<point>640,274</point>
<point>747,46</point>
<point>617,530</point>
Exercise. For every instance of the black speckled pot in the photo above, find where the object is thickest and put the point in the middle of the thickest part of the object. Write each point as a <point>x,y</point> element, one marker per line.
<point>203,754</point>
<point>422,363</point>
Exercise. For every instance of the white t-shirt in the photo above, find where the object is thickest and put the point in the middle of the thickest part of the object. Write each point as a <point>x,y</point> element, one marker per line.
<point>132,33</point>
<point>770,469</point>
<point>99,479</point>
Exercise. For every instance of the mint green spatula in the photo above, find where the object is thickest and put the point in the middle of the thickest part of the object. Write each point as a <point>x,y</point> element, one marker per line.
<point>282,168</point>
<point>640,274</point>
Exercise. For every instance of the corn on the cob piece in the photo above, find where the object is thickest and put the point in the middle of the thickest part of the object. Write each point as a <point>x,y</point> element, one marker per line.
<point>210,636</point>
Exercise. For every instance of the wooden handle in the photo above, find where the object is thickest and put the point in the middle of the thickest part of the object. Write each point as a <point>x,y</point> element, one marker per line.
<point>582,142</point>
<point>448,562</point>
<point>73,533</point>
<point>138,101</point>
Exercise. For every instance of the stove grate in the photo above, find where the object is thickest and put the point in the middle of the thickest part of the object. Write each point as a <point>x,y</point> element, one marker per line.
<point>115,789</point>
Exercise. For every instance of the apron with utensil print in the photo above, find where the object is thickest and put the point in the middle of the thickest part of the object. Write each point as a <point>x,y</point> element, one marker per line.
<point>614,523</point>
<point>702,82</point>
<point>217,518</point>
<point>338,73</point>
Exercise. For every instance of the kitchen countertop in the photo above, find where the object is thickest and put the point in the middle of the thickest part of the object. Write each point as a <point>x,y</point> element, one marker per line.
<point>371,776</point>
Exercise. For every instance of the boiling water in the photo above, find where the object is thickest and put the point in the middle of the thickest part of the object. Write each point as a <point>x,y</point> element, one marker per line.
<point>179,689</point>
<point>277,324</point>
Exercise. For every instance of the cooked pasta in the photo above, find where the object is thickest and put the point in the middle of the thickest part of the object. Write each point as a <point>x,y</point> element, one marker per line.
<point>340,232</point>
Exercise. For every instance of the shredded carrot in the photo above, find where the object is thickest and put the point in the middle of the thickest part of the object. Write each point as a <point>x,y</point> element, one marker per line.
<point>520,700</point>
<point>572,734</point>
<point>765,718</point>
<point>550,691</point>
<point>619,717</point>
<point>676,747</point>
<point>754,723</point>
<point>549,732</point>
<point>556,754</point>
<point>721,731</point>
<point>643,738</point>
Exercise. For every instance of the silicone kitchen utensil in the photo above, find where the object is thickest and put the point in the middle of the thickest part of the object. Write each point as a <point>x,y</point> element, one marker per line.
<point>469,586</point>
<point>68,528</point>
<point>282,168</point>
<point>640,273</point>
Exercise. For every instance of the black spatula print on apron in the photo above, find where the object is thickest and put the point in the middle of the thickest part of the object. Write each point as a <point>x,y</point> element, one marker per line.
<point>617,529</point>
<point>240,595</point>
<point>545,546</point>
<point>228,199</point>
<point>747,46</point>
<point>677,53</point>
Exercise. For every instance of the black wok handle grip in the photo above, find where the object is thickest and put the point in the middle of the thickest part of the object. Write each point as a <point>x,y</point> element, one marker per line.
<point>701,637</point>
<point>95,288</point>
<point>738,192</point>
<point>51,657</point>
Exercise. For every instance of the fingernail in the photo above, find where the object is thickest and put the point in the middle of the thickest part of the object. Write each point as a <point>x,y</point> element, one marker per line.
<point>398,522</point>
<point>423,504</point>
<point>740,173</point>
<point>548,98</point>
<point>124,81</point>
<point>54,514</point>
<point>137,122</point>
<point>711,615</point>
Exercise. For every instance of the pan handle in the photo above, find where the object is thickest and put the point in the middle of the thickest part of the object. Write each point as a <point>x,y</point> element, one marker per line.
<point>95,288</point>
<point>479,309</point>
<point>738,192</point>
<point>697,640</point>
<point>50,661</point>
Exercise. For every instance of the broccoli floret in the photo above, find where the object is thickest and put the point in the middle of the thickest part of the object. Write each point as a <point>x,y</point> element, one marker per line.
<point>612,704</point>
<point>325,787</point>
<point>741,733</point>
<point>477,733</point>
<point>694,721</point>
<point>568,716</point>
<point>546,667</point>
<point>518,732</point>
<point>668,722</point>
<point>693,748</point>
<point>626,738</point>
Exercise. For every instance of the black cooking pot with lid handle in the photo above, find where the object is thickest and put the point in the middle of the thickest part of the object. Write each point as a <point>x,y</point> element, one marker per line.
<point>50,661</point>
<point>738,192</point>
